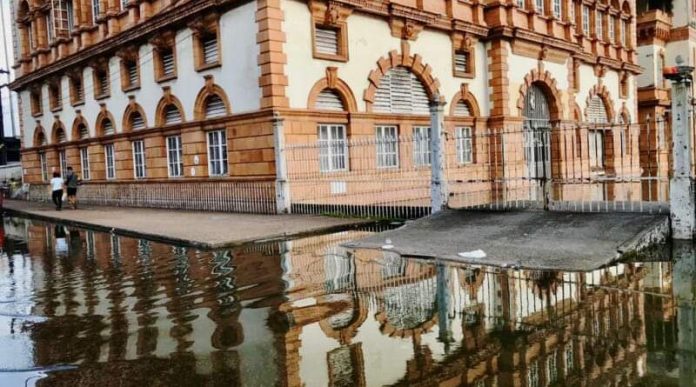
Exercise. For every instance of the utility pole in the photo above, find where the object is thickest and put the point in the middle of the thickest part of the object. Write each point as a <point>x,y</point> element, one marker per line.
<point>681,183</point>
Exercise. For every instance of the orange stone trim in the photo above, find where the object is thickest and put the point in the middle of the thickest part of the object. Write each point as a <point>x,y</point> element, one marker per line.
<point>465,95</point>
<point>130,109</point>
<point>272,59</point>
<point>209,89</point>
<point>547,83</point>
<point>167,99</point>
<point>103,114</point>
<point>405,59</point>
<point>602,92</point>
<point>331,81</point>
<point>76,123</point>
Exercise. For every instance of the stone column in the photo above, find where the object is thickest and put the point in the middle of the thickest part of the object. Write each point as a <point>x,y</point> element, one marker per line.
<point>282,185</point>
<point>438,183</point>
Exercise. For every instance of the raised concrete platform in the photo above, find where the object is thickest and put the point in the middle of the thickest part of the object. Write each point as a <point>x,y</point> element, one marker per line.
<point>199,229</point>
<point>525,239</point>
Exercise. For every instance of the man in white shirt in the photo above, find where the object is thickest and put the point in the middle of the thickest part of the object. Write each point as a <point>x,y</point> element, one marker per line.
<point>57,185</point>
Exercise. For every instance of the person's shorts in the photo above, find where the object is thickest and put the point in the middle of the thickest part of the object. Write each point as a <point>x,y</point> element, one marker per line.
<point>72,191</point>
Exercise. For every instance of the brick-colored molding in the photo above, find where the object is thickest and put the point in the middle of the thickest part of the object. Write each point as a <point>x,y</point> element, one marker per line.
<point>330,14</point>
<point>272,59</point>
<point>167,99</point>
<point>549,85</point>
<point>387,328</point>
<point>98,124</point>
<point>333,82</point>
<point>345,334</point>
<point>210,88</point>
<point>498,80</point>
<point>130,109</point>
<point>465,95</point>
<point>466,44</point>
<point>602,92</point>
<point>56,129</point>
<point>404,59</point>
<point>79,119</point>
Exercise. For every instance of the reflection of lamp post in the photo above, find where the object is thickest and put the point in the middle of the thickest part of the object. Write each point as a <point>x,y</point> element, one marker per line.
<point>443,304</point>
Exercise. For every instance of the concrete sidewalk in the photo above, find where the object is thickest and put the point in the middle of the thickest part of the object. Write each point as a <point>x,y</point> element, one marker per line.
<point>200,229</point>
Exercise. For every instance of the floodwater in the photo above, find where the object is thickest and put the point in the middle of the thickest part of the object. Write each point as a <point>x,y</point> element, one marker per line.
<point>81,308</point>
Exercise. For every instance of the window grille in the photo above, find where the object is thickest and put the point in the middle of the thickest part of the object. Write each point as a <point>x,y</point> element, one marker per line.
<point>175,156</point>
<point>461,62</point>
<point>421,146</point>
<point>326,40</point>
<point>133,78</point>
<point>167,56</point>
<point>84,163</point>
<point>217,153</point>
<point>110,161</point>
<point>464,145</point>
<point>387,146</point>
<point>210,49</point>
<point>139,159</point>
<point>333,148</point>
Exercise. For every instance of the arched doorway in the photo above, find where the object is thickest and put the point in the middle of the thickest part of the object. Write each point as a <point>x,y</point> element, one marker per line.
<point>537,141</point>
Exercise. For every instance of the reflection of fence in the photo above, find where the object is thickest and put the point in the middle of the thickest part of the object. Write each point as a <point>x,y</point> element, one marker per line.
<point>590,168</point>
<point>228,196</point>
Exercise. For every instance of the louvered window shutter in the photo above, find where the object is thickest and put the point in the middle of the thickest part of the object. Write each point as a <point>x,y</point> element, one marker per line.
<point>210,50</point>
<point>60,135</point>
<point>329,100</point>
<point>84,133</point>
<point>400,91</point>
<point>132,73</point>
<point>136,121</point>
<point>103,83</point>
<point>214,107</point>
<point>461,62</point>
<point>167,62</point>
<point>172,115</point>
<point>108,127</point>
<point>326,40</point>
<point>596,111</point>
<point>461,109</point>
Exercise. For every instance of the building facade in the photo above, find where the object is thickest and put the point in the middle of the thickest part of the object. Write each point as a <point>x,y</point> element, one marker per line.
<point>143,97</point>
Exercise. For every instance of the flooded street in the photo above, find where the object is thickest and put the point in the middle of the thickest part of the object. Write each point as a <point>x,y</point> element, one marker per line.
<point>82,308</point>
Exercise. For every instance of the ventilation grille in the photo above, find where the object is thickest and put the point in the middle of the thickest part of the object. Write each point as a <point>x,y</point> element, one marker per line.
<point>329,100</point>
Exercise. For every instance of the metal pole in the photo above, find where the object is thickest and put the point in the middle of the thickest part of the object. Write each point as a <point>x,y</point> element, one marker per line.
<point>282,186</point>
<point>438,182</point>
<point>681,185</point>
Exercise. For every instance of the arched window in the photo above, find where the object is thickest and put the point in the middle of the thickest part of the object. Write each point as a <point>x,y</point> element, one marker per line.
<point>214,106</point>
<point>329,99</point>
<point>107,127</point>
<point>60,135</point>
<point>597,111</point>
<point>172,115</point>
<point>400,91</point>
<point>136,121</point>
<point>41,139</point>
<point>82,131</point>
<point>462,109</point>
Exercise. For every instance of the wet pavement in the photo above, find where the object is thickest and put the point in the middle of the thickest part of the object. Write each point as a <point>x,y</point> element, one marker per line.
<point>83,308</point>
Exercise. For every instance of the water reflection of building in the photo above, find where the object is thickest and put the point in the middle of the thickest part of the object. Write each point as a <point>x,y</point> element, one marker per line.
<point>307,312</point>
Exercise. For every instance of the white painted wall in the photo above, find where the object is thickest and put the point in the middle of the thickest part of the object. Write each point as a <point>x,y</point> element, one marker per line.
<point>238,76</point>
<point>369,39</point>
<point>647,58</point>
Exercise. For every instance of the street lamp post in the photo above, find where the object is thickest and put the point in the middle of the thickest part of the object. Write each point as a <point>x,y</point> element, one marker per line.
<point>3,146</point>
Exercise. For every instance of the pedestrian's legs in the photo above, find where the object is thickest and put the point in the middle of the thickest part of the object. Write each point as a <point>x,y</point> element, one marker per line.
<point>57,197</point>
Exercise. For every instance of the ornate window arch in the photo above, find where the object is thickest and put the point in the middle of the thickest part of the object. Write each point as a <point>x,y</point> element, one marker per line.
<point>547,83</point>
<point>464,104</point>
<point>58,134</point>
<point>105,124</point>
<point>598,103</point>
<point>80,128</point>
<point>169,111</point>
<point>40,137</point>
<point>211,101</point>
<point>134,117</point>
<point>331,91</point>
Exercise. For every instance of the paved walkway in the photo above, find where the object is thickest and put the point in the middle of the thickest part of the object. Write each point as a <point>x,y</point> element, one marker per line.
<point>201,229</point>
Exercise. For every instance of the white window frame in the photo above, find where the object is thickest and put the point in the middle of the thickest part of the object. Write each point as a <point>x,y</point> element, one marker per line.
<point>612,29</point>
<point>96,10</point>
<point>387,141</point>
<point>217,153</point>
<point>422,154</point>
<point>50,28</point>
<point>63,161</point>
<point>521,4</point>
<point>84,163</point>
<point>175,157</point>
<point>595,140</point>
<point>464,143</point>
<point>124,4</point>
<point>539,6</point>
<point>599,24</point>
<point>585,20</point>
<point>44,166</point>
<point>70,14</point>
<point>332,140</point>
<point>557,11</point>
<point>110,161</point>
<point>139,159</point>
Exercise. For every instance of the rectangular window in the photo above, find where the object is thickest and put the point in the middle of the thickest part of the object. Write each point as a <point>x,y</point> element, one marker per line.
<point>387,146</point>
<point>110,161</point>
<point>612,29</point>
<point>175,156</point>
<point>217,153</point>
<point>130,73</point>
<point>84,162</point>
<point>63,161</point>
<point>139,159</point>
<point>462,63</point>
<point>209,44</point>
<point>124,4</point>
<point>70,15</point>
<point>333,148</point>
<point>585,20</point>
<point>557,9</point>
<point>44,166</point>
<point>599,25</point>
<point>464,145</point>
<point>571,11</point>
<point>520,3</point>
<point>95,10</point>
<point>539,6</point>
<point>167,63</point>
<point>54,96</point>
<point>421,146</point>
<point>36,106</point>
<point>77,90</point>
<point>50,28</point>
<point>596,149</point>
<point>326,40</point>
<point>101,83</point>
<point>624,33</point>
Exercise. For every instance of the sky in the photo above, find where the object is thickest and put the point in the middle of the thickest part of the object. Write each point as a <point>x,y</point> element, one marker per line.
<point>6,63</point>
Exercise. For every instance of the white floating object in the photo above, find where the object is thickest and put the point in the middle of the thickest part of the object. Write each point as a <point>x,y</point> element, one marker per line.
<point>476,254</point>
<point>387,247</point>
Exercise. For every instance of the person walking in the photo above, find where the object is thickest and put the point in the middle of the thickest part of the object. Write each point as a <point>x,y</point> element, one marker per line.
<point>71,182</point>
<point>57,185</point>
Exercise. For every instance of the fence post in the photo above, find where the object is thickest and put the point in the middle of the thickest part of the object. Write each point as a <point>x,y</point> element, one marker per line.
<point>438,182</point>
<point>681,185</point>
<point>282,186</point>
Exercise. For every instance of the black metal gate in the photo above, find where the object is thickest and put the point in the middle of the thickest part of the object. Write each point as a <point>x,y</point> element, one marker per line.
<point>537,139</point>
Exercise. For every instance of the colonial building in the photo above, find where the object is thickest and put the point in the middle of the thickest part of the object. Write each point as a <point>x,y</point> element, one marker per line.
<point>173,103</point>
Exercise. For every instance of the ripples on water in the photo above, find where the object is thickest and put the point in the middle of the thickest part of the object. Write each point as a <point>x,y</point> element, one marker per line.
<point>85,308</point>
